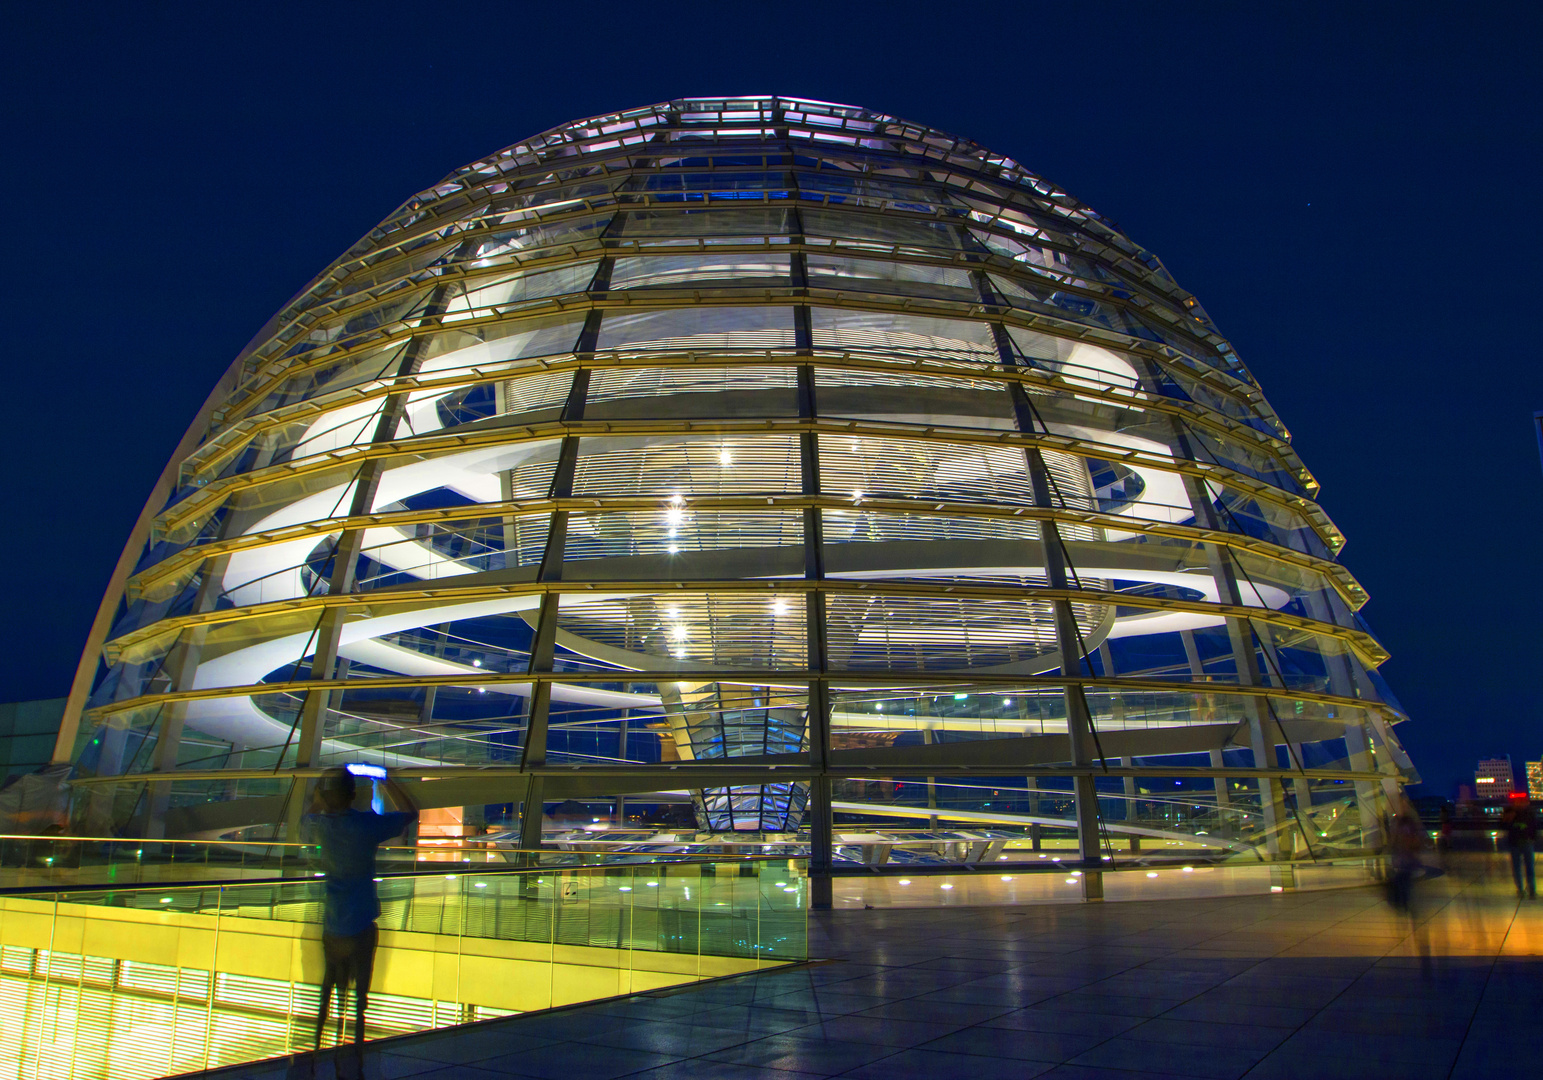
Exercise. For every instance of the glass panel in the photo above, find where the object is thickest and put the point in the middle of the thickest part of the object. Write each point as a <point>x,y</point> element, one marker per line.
<point>676,271</point>
<point>687,465</point>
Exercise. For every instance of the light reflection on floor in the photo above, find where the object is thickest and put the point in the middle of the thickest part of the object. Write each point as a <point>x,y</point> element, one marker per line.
<point>1011,885</point>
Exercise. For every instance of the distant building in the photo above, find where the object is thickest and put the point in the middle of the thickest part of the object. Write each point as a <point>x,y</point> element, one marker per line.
<point>1494,778</point>
<point>1535,779</point>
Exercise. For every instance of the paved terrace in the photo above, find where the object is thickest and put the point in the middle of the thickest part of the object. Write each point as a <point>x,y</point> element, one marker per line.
<point>1305,986</point>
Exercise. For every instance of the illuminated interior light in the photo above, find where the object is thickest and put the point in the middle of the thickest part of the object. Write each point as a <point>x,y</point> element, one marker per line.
<point>476,663</point>
<point>945,885</point>
<point>1189,869</point>
<point>905,881</point>
<point>725,458</point>
<point>1151,873</point>
<point>1007,877</point>
<point>674,549</point>
<point>480,885</point>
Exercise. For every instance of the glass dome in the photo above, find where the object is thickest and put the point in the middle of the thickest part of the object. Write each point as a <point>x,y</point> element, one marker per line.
<point>756,466</point>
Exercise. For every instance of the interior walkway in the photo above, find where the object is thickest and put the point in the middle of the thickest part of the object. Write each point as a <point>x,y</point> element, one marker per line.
<point>1294,985</point>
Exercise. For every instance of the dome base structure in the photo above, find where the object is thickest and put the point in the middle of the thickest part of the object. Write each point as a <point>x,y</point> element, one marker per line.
<point>746,470</point>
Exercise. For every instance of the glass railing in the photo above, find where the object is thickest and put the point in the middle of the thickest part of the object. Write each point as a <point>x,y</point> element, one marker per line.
<point>149,981</point>
<point>919,822</point>
<point>46,862</point>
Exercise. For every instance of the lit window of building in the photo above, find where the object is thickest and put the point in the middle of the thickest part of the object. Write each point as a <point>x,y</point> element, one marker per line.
<point>1494,778</point>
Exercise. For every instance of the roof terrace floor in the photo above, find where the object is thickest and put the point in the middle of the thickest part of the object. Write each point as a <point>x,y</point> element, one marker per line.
<point>1322,984</point>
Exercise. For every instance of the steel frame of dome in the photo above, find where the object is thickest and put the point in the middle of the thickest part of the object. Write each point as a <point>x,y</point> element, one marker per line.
<point>803,441</point>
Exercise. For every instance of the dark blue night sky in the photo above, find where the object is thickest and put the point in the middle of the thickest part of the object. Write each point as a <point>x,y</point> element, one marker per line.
<point>1355,192</point>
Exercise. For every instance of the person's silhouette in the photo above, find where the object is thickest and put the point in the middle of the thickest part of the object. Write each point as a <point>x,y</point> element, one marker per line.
<point>348,839</point>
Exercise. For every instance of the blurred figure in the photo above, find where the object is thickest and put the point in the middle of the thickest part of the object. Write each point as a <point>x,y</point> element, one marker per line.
<point>348,839</point>
<point>1406,839</point>
<point>1521,833</point>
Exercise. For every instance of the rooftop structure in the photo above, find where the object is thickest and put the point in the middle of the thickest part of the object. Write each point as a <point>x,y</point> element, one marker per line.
<point>797,462</point>
<point>1494,777</point>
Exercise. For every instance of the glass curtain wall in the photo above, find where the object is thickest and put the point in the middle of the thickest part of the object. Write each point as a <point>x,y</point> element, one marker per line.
<point>663,470</point>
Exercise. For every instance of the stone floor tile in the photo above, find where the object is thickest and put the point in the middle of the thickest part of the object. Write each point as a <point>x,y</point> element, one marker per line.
<point>821,1057</point>
<point>677,1040</point>
<point>1130,1051</point>
<point>1089,1072</point>
<point>1201,1033</point>
<point>1387,1049</point>
<point>465,1046</point>
<point>928,1065</point>
<point>1035,1018</point>
<point>881,1031</point>
<point>939,1012</point>
<point>1017,1044</point>
<point>1221,1011</point>
<point>576,1061</point>
<point>1297,1065</point>
<point>704,1069</point>
<point>455,1072</point>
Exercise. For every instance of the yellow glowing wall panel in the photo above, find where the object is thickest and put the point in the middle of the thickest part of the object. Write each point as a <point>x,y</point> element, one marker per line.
<point>516,975</point>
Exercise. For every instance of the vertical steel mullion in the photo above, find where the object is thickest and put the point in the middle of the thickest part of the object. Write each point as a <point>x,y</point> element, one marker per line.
<point>1240,639</point>
<point>346,556</point>
<point>1079,720</point>
<point>544,643</point>
<point>818,701</point>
